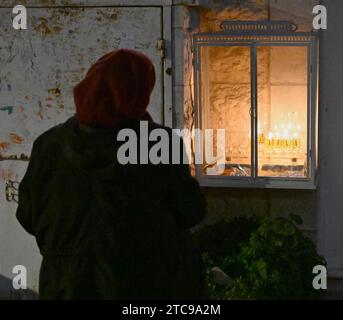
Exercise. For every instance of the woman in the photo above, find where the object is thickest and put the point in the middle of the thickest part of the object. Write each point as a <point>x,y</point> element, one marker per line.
<point>107,230</point>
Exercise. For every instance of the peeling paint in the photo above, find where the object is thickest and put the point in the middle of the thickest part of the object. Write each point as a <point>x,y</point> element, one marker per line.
<point>56,21</point>
<point>55,91</point>
<point>15,138</point>
<point>4,145</point>
<point>22,157</point>
<point>112,15</point>
<point>9,109</point>
<point>42,67</point>
<point>6,174</point>
<point>12,190</point>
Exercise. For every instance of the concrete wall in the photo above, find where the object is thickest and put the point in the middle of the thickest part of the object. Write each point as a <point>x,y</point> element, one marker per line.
<point>330,198</point>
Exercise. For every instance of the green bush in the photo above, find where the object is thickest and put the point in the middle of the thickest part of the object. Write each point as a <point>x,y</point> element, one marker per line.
<point>267,259</point>
<point>219,241</point>
<point>225,237</point>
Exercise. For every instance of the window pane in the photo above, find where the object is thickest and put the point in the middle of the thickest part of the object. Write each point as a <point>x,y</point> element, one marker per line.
<point>282,111</point>
<point>226,102</point>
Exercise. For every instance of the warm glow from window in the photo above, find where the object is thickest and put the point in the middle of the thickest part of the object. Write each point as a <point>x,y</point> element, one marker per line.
<point>282,104</point>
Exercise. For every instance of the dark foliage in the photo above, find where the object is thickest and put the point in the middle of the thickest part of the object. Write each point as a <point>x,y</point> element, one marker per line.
<point>267,258</point>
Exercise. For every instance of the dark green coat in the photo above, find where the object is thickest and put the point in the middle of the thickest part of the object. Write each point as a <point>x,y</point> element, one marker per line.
<point>105,230</point>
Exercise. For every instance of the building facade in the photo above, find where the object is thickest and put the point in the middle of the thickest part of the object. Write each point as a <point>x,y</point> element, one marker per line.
<point>39,67</point>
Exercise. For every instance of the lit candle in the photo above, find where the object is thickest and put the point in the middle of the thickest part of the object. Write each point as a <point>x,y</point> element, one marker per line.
<point>277,141</point>
<point>296,142</point>
<point>286,142</point>
<point>269,141</point>
<point>261,138</point>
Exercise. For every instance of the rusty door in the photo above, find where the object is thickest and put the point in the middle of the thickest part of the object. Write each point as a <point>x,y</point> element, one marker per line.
<point>38,70</point>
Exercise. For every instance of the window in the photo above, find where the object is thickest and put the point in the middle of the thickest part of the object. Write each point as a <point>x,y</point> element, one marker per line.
<point>260,86</point>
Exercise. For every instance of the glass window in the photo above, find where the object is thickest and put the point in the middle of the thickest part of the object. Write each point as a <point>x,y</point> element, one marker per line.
<point>282,111</point>
<point>262,92</point>
<point>226,103</point>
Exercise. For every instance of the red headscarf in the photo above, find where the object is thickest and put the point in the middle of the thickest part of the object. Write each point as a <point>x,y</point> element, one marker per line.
<point>117,86</point>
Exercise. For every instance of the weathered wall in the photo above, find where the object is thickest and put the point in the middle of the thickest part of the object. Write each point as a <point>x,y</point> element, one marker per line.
<point>95,3</point>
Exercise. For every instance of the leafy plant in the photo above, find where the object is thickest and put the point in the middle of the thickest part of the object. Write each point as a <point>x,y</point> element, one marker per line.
<point>225,237</point>
<point>216,291</point>
<point>219,241</point>
<point>272,261</point>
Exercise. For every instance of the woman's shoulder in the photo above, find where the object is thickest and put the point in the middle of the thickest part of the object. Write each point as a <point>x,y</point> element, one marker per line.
<point>53,134</point>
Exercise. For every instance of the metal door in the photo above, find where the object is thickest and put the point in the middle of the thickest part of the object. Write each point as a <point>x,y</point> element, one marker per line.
<point>38,69</point>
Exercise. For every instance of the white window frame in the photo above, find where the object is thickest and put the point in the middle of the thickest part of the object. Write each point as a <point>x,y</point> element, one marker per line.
<point>310,40</point>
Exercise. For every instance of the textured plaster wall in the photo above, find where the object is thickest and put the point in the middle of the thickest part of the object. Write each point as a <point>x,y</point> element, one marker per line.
<point>206,17</point>
<point>228,91</point>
